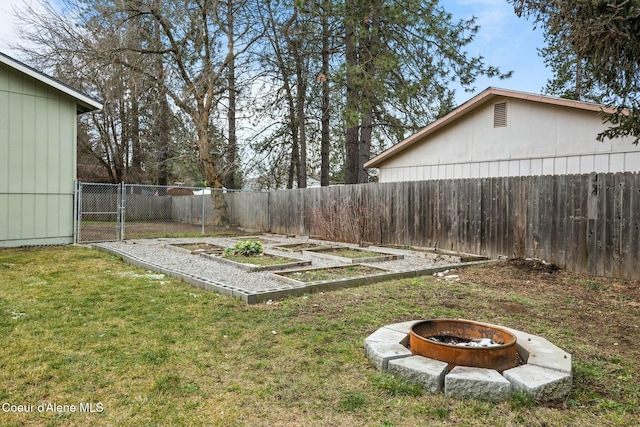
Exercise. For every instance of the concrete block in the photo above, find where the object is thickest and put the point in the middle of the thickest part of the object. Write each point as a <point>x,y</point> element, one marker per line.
<point>540,383</point>
<point>404,327</point>
<point>535,350</point>
<point>380,353</point>
<point>427,372</point>
<point>387,334</point>
<point>477,383</point>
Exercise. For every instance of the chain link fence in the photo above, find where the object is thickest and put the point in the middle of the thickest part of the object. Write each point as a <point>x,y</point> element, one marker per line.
<point>107,212</point>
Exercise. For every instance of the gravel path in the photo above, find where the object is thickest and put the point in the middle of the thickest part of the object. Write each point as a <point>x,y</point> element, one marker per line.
<point>157,252</point>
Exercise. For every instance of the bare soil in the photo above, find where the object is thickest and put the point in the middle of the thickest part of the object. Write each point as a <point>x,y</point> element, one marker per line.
<point>331,273</point>
<point>207,247</point>
<point>261,260</point>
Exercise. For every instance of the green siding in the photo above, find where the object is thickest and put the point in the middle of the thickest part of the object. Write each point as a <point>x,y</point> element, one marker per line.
<point>37,161</point>
<point>4,141</point>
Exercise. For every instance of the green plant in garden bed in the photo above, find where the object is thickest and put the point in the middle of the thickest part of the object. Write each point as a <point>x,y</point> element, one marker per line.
<point>247,248</point>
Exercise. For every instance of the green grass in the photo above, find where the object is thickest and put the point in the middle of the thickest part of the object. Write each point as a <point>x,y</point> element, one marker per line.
<point>79,326</point>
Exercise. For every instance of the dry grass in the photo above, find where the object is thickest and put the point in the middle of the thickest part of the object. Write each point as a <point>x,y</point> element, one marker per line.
<point>81,326</point>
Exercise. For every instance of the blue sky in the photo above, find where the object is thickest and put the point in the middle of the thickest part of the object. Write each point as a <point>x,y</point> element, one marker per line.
<point>504,40</point>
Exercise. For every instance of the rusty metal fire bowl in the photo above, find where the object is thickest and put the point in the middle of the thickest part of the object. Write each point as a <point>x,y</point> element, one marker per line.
<point>434,338</point>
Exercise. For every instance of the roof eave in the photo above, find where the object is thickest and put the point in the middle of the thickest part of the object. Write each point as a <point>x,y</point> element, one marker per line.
<point>85,102</point>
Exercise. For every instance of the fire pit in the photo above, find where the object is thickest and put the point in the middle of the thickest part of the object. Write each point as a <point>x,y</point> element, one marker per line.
<point>464,343</point>
<point>543,370</point>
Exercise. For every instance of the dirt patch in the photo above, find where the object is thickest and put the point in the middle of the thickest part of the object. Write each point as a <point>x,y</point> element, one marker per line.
<point>533,265</point>
<point>200,247</point>
<point>331,273</point>
<point>299,247</point>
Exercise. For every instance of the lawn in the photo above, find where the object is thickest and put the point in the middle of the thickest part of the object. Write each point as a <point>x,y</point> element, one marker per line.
<point>80,327</point>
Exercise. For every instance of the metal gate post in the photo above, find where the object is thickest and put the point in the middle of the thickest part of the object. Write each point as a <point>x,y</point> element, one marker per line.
<point>77,213</point>
<point>121,210</point>
<point>203,210</point>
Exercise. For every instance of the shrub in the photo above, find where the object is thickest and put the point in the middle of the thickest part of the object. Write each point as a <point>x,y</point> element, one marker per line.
<point>246,248</point>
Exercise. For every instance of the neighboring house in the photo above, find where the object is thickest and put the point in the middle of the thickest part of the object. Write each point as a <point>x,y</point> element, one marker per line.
<point>507,133</point>
<point>38,129</point>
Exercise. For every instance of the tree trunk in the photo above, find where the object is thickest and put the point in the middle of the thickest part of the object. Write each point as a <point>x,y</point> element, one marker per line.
<point>136,148</point>
<point>368,55</point>
<point>232,143</point>
<point>161,125</point>
<point>163,137</point>
<point>352,101</point>
<point>210,171</point>
<point>295,161</point>
<point>325,142</point>
<point>301,92</point>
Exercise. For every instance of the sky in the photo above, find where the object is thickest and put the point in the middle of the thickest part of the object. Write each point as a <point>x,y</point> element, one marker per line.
<point>504,40</point>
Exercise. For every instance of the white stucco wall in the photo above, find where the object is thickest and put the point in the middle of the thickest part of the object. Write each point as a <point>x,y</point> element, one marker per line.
<point>539,139</point>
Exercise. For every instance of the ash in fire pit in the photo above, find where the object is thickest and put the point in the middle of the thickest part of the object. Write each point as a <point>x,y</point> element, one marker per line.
<point>464,343</point>
<point>478,342</point>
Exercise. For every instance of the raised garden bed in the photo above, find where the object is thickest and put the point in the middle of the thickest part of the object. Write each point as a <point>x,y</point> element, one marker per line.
<point>253,239</point>
<point>354,255</point>
<point>314,275</point>
<point>299,247</point>
<point>453,255</point>
<point>197,248</point>
<point>262,262</point>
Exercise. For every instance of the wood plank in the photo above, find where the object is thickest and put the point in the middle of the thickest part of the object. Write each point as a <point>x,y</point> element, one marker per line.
<point>633,255</point>
<point>607,231</point>
<point>519,217</point>
<point>477,217</point>
<point>561,217</point>
<point>618,224</point>
<point>593,202</point>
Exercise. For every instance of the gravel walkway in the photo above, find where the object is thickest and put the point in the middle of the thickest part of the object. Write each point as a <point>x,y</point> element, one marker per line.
<point>156,255</point>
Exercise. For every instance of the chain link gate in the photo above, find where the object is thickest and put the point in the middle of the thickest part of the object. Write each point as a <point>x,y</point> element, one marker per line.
<point>98,208</point>
<point>98,212</point>
<point>106,212</point>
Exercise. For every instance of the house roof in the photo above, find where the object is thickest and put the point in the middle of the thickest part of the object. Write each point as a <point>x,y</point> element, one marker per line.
<point>85,103</point>
<point>477,101</point>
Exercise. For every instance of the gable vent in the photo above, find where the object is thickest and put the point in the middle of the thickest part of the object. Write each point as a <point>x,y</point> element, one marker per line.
<point>500,115</point>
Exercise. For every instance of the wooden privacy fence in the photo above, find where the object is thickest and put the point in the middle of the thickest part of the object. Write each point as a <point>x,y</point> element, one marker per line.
<point>584,223</point>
